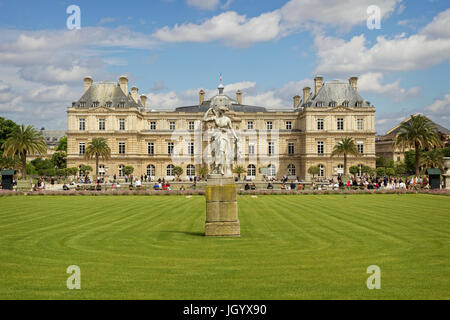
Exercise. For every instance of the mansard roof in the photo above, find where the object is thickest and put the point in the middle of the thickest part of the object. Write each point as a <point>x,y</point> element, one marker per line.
<point>106,94</point>
<point>336,93</point>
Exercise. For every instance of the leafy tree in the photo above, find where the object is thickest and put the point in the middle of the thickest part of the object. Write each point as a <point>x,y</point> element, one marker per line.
<point>203,171</point>
<point>178,171</point>
<point>354,170</point>
<point>71,171</point>
<point>239,170</point>
<point>59,160</point>
<point>127,170</point>
<point>22,141</point>
<point>400,169</point>
<point>42,165</point>
<point>381,172</point>
<point>432,159</point>
<point>6,128</point>
<point>366,169</point>
<point>84,169</point>
<point>381,161</point>
<point>418,133</point>
<point>389,163</point>
<point>345,147</point>
<point>10,163</point>
<point>390,171</point>
<point>313,170</point>
<point>62,144</point>
<point>446,152</point>
<point>98,148</point>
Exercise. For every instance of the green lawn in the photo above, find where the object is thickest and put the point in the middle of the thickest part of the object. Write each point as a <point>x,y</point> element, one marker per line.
<point>292,247</point>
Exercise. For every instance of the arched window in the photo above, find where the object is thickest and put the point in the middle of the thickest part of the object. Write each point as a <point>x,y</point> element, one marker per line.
<point>251,170</point>
<point>291,170</point>
<point>322,170</point>
<point>151,170</point>
<point>340,169</point>
<point>121,170</point>
<point>169,171</point>
<point>190,170</point>
<point>272,170</point>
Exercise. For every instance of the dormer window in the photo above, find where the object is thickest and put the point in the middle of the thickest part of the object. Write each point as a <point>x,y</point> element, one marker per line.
<point>358,104</point>
<point>345,103</point>
<point>333,104</point>
<point>95,104</point>
<point>108,104</point>
<point>82,104</point>
<point>319,104</point>
<point>74,104</point>
<point>122,104</point>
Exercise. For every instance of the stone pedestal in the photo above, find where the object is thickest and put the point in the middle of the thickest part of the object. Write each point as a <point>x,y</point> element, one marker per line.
<point>221,207</point>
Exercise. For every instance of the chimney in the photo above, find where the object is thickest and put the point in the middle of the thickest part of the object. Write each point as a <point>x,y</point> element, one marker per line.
<point>134,94</point>
<point>318,83</point>
<point>306,93</point>
<point>239,96</point>
<point>123,80</point>
<point>144,101</point>
<point>201,96</point>
<point>354,83</point>
<point>87,83</point>
<point>296,101</point>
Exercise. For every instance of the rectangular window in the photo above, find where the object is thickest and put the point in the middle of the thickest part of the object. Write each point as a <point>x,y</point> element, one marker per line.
<point>121,147</point>
<point>250,125</point>
<point>288,125</point>
<point>271,149</point>
<point>291,148</point>
<point>251,149</point>
<point>122,124</point>
<point>320,149</point>
<point>151,148</point>
<point>269,125</point>
<point>82,124</point>
<point>191,125</point>
<point>361,147</point>
<point>172,125</point>
<point>360,124</point>
<point>319,124</point>
<point>340,124</point>
<point>101,124</point>
<point>170,148</point>
<point>190,148</point>
<point>82,147</point>
<point>152,125</point>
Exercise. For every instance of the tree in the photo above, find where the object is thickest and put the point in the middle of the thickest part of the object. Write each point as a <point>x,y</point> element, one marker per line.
<point>381,172</point>
<point>354,170</point>
<point>71,171</point>
<point>313,170</point>
<point>432,159</point>
<point>84,169</point>
<point>178,171</point>
<point>6,127</point>
<point>23,141</point>
<point>381,161</point>
<point>62,144</point>
<point>239,170</point>
<point>59,160</point>
<point>42,166</point>
<point>418,133</point>
<point>203,171</point>
<point>98,148</point>
<point>390,172</point>
<point>345,147</point>
<point>400,169</point>
<point>10,163</point>
<point>366,169</point>
<point>127,170</point>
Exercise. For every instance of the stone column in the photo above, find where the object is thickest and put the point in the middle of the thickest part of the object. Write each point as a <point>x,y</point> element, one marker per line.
<point>221,207</point>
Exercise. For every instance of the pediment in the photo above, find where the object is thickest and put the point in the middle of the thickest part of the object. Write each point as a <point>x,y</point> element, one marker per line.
<point>339,109</point>
<point>98,110</point>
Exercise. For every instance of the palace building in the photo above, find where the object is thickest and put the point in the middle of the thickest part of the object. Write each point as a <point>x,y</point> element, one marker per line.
<point>272,143</point>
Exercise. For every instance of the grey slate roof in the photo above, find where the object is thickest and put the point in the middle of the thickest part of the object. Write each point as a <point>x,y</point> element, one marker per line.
<point>338,92</point>
<point>104,93</point>
<point>235,106</point>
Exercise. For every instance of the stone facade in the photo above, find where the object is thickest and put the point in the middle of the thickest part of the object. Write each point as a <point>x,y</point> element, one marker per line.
<point>298,138</point>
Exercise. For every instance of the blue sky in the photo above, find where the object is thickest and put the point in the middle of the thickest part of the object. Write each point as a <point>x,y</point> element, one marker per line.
<point>270,50</point>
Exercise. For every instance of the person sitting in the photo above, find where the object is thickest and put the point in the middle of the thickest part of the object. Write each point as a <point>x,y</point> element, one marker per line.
<point>65,187</point>
<point>156,186</point>
<point>270,186</point>
<point>292,185</point>
<point>253,187</point>
<point>182,188</point>
<point>283,187</point>
<point>300,187</point>
<point>247,187</point>
<point>164,187</point>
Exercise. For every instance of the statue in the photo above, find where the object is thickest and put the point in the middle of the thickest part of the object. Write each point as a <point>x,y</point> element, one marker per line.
<point>224,142</point>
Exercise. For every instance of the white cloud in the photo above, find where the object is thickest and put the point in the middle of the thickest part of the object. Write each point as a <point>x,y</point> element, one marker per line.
<point>204,4</point>
<point>439,27</point>
<point>296,15</point>
<point>440,107</point>
<point>372,82</point>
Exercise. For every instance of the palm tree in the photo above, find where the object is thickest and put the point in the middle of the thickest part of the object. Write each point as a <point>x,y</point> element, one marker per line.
<point>98,148</point>
<point>418,133</point>
<point>345,147</point>
<point>432,159</point>
<point>239,170</point>
<point>23,141</point>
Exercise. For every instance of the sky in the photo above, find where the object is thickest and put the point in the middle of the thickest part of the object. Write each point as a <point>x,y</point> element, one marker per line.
<point>270,50</point>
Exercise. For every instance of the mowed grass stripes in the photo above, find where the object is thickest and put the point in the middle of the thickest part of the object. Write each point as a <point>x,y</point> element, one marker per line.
<point>292,247</point>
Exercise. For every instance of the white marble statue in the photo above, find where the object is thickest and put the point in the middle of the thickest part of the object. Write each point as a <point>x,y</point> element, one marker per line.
<point>224,141</point>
